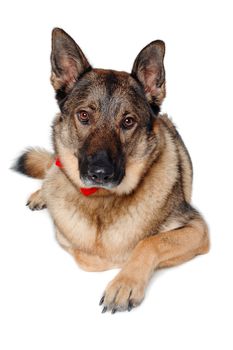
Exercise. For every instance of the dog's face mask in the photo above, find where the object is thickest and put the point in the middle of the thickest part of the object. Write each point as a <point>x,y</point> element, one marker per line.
<point>105,134</point>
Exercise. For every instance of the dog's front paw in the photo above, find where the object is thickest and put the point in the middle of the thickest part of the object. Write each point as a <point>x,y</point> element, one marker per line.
<point>123,293</point>
<point>35,201</point>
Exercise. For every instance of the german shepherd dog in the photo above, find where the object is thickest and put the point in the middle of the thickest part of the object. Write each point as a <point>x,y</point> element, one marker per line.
<point>118,185</point>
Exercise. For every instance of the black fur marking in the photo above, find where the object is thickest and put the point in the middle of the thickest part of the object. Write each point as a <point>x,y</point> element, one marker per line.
<point>133,75</point>
<point>20,165</point>
<point>149,124</point>
<point>87,70</point>
<point>155,108</point>
<point>111,83</point>
<point>61,96</point>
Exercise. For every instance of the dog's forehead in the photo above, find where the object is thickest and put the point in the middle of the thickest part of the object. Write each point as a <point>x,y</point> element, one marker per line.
<point>112,77</point>
<point>110,85</point>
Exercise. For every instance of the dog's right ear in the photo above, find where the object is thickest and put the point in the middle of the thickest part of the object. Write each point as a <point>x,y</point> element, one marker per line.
<point>68,63</point>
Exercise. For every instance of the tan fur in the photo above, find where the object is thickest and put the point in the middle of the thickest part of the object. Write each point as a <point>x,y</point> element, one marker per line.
<point>37,162</point>
<point>55,81</point>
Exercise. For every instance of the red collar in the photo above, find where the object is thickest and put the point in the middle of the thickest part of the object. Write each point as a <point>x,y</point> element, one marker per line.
<point>83,190</point>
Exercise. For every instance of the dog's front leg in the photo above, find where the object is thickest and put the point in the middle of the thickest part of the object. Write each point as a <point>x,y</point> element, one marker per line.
<point>170,248</point>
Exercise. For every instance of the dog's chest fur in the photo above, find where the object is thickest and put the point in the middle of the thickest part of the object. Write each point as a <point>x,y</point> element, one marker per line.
<point>101,227</point>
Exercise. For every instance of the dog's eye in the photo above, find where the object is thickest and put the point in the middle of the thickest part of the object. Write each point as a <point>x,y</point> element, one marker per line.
<point>83,117</point>
<point>128,123</point>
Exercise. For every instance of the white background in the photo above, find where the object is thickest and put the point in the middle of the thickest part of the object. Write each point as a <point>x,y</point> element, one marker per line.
<point>47,302</point>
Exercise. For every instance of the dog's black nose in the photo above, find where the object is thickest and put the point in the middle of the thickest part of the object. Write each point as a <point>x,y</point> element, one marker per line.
<point>100,174</point>
<point>100,168</point>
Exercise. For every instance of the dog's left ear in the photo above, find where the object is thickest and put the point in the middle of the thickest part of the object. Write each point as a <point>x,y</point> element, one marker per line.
<point>68,62</point>
<point>148,68</point>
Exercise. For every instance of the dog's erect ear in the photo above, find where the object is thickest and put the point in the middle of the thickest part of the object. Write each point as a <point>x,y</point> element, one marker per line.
<point>148,68</point>
<point>68,61</point>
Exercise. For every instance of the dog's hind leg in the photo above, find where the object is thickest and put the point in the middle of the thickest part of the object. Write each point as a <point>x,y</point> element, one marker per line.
<point>36,201</point>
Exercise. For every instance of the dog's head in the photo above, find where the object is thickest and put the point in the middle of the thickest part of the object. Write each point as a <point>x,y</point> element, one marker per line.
<point>105,134</point>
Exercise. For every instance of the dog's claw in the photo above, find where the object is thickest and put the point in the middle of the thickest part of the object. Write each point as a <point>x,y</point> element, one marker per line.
<point>27,204</point>
<point>101,300</point>
<point>130,306</point>
<point>113,311</point>
<point>104,309</point>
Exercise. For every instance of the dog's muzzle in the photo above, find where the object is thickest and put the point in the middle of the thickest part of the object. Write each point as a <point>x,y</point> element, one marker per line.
<point>100,170</point>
